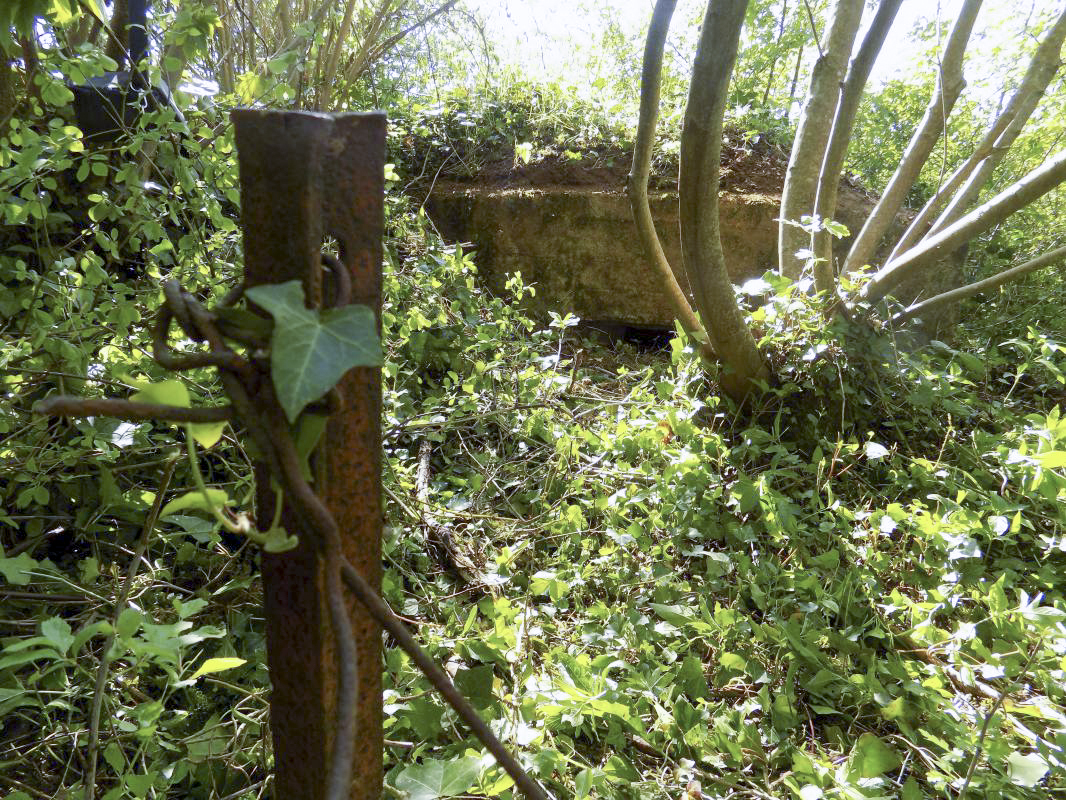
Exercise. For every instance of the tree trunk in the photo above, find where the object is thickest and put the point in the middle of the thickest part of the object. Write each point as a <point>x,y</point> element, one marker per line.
<point>949,86</point>
<point>252,34</point>
<point>284,20</point>
<point>334,48</point>
<point>228,77</point>
<point>1016,196</point>
<point>637,185</point>
<point>8,96</point>
<point>833,164</point>
<point>701,243</point>
<point>1006,276</point>
<point>118,33</point>
<point>812,136</point>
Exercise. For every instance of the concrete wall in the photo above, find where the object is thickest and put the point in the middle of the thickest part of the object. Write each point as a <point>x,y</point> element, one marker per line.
<point>578,245</point>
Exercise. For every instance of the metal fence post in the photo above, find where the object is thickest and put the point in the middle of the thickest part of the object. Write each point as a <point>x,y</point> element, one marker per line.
<point>305,177</point>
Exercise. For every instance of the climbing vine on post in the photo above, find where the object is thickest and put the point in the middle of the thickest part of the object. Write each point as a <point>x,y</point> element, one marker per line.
<point>282,376</point>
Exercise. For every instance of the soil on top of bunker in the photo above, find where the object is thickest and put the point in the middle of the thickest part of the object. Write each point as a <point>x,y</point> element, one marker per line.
<point>747,167</point>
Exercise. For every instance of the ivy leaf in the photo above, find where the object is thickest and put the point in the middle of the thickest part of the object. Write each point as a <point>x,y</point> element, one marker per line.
<point>308,433</point>
<point>173,392</point>
<point>1026,769</point>
<point>476,685</point>
<point>310,350</point>
<point>433,779</point>
<point>277,540</point>
<point>870,757</point>
<point>207,434</point>
<point>57,631</point>
<point>17,570</point>
<point>169,392</point>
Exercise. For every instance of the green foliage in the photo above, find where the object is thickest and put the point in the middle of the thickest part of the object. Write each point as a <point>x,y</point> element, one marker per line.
<point>883,128</point>
<point>20,15</point>
<point>517,128</point>
<point>830,595</point>
<point>463,134</point>
<point>854,591</point>
<point>86,234</point>
<point>776,36</point>
<point>888,117</point>
<point>432,779</point>
<point>827,597</point>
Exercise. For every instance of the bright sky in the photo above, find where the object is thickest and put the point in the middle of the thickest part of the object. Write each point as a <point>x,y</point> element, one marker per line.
<point>546,37</point>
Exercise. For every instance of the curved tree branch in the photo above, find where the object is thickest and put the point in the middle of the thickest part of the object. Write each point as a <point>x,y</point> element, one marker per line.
<point>963,186</point>
<point>825,201</point>
<point>1045,65</point>
<point>637,184</point>
<point>812,136</point>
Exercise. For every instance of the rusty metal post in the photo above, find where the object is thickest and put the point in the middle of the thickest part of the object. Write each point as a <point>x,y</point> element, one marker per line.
<point>304,177</point>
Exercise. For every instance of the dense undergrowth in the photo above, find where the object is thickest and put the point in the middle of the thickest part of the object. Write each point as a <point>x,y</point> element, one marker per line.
<point>857,589</point>
<point>524,131</point>
<point>852,590</point>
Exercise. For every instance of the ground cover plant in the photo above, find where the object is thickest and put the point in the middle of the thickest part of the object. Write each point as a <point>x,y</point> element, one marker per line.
<point>852,587</point>
<point>857,590</point>
<point>841,597</point>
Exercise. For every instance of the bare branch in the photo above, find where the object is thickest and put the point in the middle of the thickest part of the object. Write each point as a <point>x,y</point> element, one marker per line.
<point>389,43</point>
<point>1016,196</point>
<point>950,84</point>
<point>825,202</point>
<point>1006,276</point>
<point>68,406</point>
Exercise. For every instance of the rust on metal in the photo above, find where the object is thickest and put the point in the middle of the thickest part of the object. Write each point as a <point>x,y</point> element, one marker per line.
<point>304,178</point>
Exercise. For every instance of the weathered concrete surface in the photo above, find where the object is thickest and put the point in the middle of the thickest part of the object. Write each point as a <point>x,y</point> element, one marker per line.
<point>578,245</point>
